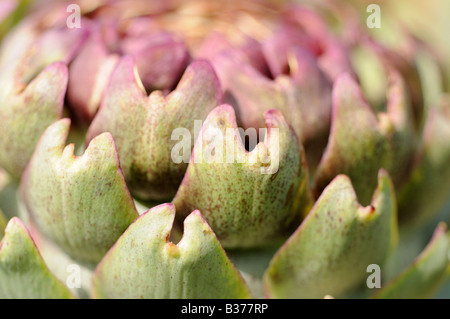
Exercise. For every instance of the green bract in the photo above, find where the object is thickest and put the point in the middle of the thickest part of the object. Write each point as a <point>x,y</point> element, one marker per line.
<point>370,143</point>
<point>26,115</point>
<point>251,198</point>
<point>196,267</point>
<point>146,157</point>
<point>81,203</point>
<point>331,250</point>
<point>23,273</point>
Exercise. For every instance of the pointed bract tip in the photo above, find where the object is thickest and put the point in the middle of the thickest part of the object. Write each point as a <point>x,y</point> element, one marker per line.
<point>221,112</point>
<point>14,223</point>
<point>125,72</point>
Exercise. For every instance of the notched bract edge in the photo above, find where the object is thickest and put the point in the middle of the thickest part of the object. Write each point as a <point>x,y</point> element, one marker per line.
<point>146,246</point>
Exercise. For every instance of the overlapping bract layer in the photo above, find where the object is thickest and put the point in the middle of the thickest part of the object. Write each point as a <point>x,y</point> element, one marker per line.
<point>371,142</point>
<point>142,125</point>
<point>23,273</point>
<point>81,203</point>
<point>329,253</point>
<point>127,75</point>
<point>424,276</point>
<point>248,198</point>
<point>421,198</point>
<point>196,267</point>
<point>25,116</point>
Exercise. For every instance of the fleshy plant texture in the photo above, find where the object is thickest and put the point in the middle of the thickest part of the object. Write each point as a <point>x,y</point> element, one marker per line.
<point>338,239</point>
<point>145,158</point>
<point>23,273</point>
<point>82,203</point>
<point>196,267</point>
<point>210,149</point>
<point>253,197</point>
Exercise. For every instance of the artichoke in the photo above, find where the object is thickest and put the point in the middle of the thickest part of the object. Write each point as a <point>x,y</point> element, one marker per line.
<point>207,149</point>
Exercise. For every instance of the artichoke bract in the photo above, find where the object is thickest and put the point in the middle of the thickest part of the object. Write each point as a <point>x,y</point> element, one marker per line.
<point>208,149</point>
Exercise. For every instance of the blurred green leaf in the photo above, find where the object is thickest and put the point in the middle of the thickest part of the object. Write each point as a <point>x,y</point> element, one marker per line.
<point>23,273</point>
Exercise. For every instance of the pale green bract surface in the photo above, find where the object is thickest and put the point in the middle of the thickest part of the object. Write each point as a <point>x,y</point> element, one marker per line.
<point>303,95</point>
<point>81,203</point>
<point>248,198</point>
<point>144,264</point>
<point>372,141</point>
<point>139,78</point>
<point>330,252</point>
<point>25,116</point>
<point>143,126</point>
<point>23,273</point>
<point>423,277</point>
